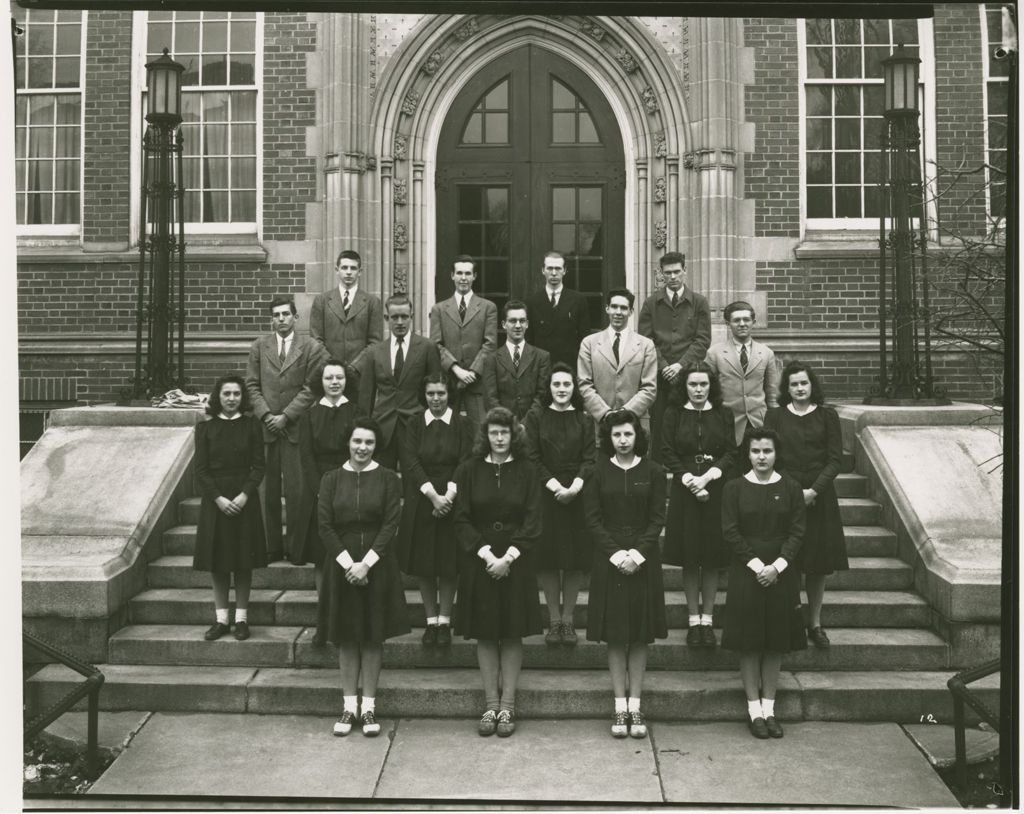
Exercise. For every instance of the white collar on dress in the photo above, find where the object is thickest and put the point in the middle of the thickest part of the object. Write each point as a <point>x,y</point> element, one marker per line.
<point>707,406</point>
<point>775,478</point>
<point>552,406</point>
<point>636,460</point>
<point>368,468</point>
<point>507,460</point>
<point>810,409</point>
<point>326,402</point>
<point>429,418</point>
<point>229,418</point>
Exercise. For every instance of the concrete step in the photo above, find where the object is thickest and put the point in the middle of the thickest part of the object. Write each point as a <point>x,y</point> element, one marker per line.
<point>850,484</point>
<point>188,511</point>
<point>902,697</point>
<point>859,511</point>
<point>864,574</point>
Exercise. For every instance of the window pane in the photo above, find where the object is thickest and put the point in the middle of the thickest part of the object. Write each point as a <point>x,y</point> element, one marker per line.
<point>588,133</point>
<point>563,201</point>
<point>215,37</point>
<point>66,142</point>
<point>40,40</point>
<point>495,274</point>
<point>242,69</point>
<point>473,132</point>
<point>848,202</point>
<point>69,40</point>
<point>819,168</point>
<point>158,36</point>
<point>216,137</point>
<point>471,239</point>
<point>243,36</point>
<point>847,100</point>
<point>847,134</point>
<point>848,168</point>
<point>69,109</point>
<point>497,203</point>
<point>561,97</point>
<point>191,104</point>
<point>872,207</point>
<point>873,61</point>
<point>190,76</point>
<point>190,170</point>
<point>215,173</point>
<point>469,203</point>
<point>40,72</point>
<point>563,128</point>
<point>65,207</point>
<point>819,100</point>
<point>998,94</point>
<point>874,100</point>
<point>904,31</point>
<point>215,107</point>
<point>40,142</point>
<point>496,128</point>
<point>40,175</point>
<point>496,239</point>
<point>818,32</point>
<point>876,32</point>
<point>215,207</point>
<point>193,207</point>
<point>243,173</point>
<point>243,139</point>
<point>563,237</point>
<point>848,64</point>
<point>186,37</point>
<point>819,134</point>
<point>243,206</point>
<point>39,208</point>
<point>819,202</point>
<point>872,168</point>
<point>497,99</point>
<point>819,63</point>
<point>873,130</point>
<point>590,238</point>
<point>67,72</point>
<point>847,32</point>
<point>41,109</point>
<point>214,69</point>
<point>590,203</point>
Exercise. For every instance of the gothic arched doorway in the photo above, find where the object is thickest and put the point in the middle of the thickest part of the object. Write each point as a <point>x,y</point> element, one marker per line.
<point>530,159</point>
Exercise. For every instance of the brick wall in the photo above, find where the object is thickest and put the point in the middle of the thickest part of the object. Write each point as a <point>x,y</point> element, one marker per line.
<point>821,294</point>
<point>289,107</point>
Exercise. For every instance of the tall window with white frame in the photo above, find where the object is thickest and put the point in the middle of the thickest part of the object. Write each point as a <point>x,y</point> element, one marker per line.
<point>843,116</point>
<point>220,90</point>
<point>48,73</point>
<point>997,86</point>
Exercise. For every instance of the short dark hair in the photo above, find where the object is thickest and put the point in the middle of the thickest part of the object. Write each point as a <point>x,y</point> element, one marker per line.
<point>434,378</point>
<point>398,299</point>
<point>614,418</point>
<point>351,391</point>
<point>759,434</point>
<point>817,394</point>
<point>213,405</point>
<point>348,254</point>
<point>554,254</point>
<point>463,258</point>
<point>679,394</point>
<point>620,292</point>
<point>561,367</point>
<point>514,305</point>
<point>363,422</point>
<point>738,305</point>
<point>671,258</point>
<point>284,299</point>
<point>502,417</point>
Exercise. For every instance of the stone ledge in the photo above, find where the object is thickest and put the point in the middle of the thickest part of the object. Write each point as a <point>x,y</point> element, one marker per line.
<point>110,415</point>
<point>231,253</point>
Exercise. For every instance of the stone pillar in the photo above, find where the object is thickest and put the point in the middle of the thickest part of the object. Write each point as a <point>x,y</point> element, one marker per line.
<point>718,267</point>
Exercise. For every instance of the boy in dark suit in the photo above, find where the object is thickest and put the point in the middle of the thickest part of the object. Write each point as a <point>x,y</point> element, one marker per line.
<point>517,373</point>
<point>346,320</point>
<point>559,318</point>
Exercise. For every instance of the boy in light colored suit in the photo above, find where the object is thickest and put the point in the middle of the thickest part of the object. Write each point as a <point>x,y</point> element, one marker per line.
<point>346,320</point>
<point>747,370</point>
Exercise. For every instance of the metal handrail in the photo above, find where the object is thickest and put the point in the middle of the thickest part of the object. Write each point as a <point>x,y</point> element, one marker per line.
<point>961,695</point>
<point>90,687</point>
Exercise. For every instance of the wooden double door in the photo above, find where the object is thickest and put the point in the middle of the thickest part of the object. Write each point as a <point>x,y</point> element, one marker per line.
<point>530,159</point>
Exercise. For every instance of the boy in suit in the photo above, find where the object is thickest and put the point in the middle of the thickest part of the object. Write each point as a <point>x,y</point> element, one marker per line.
<point>617,367</point>
<point>391,377</point>
<point>678,320</point>
<point>747,371</point>
<point>281,369</point>
<point>465,329</point>
<point>517,373</point>
<point>559,317</point>
<point>346,320</point>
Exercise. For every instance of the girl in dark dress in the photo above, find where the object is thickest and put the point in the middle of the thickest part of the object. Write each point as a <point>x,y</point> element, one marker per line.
<point>763,521</point>
<point>560,438</point>
<point>359,508</point>
<point>698,448</point>
<point>497,521</point>
<point>813,454</point>
<point>434,444</point>
<point>229,466</point>
<point>323,429</point>
<point>625,507</point>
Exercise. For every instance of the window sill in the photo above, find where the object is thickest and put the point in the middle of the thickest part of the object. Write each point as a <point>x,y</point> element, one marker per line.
<point>195,252</point>
<point>837,244</point>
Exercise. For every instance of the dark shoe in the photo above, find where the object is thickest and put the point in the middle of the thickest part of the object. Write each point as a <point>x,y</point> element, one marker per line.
<point>429,636</point>
<point>759,729</point>
<point>620,725</point>
<point>344,724</point>
<point>569,636</point>
<point>216,631</point>
<point>637,725</point>
<point>818,637</point>
<point>488,723</point>
<point>554,635</point>
<point>241,631</point>
<point>774,727</point>
<point>707,636</point>
<point>444,635</point>
<point>370,726</point>
<point>506,723</point>
<point>694,637</point>
<point>319,639</point>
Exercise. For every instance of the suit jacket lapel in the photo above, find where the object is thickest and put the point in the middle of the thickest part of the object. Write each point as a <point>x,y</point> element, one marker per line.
<point>628,350</point>
<point>270,351</point>
<point>472,309</point>
<point>604,346</point>
<point>413,349</point>
<point>503,358</point>
<point>358,304</point>
<point>293,352</point>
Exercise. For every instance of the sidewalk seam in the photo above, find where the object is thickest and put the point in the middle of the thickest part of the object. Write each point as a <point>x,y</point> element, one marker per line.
<point>391,742</point>
<point>657,762</point>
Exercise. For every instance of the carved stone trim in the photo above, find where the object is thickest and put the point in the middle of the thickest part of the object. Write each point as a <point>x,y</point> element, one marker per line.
<point>592,29</point>
<point>434,61</point>
<point>359,162</point>
<point>400,186</point>
<point>660,189</point>
<point>411,100</point>
<point>400,279</point>
<point>372,58</point>
<point>660,145</point>
<point>660,234</point>
<point>625,59</point>
<point>467,30</point>
<point>401,147</point>
<point>650,99</point>
<point>401,237</point>
<point>706,158</point>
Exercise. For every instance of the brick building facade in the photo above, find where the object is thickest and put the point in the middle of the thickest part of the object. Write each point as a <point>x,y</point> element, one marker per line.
<point>748,144</point>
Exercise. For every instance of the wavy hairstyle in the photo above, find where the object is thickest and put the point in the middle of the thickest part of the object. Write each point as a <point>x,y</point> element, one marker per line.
<point>613,419</point>
<point>504,418</point>
<point>758,434</point>
<point>351,391</point>
<point>678,395</point>
<point>213,405</point>
<point>561,367</point>
<point>817,394</point>
<point>363,423</point>
<point>435,378</point>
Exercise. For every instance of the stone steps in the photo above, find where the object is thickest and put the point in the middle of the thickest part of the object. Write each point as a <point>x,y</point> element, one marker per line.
<point>297,607</point>
<point>865,573</point>
<point>284,646</point>
<point>837,695</point>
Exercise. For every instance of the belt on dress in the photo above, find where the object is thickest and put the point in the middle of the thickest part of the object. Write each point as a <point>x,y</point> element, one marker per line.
<point>497,525</point>
<point>627,530</point>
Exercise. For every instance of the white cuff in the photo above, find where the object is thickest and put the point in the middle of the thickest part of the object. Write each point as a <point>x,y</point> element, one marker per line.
<point>512,552</point>
<point>484,552</point>
<point>715,473</point>
<point>452,488</point>
<point>638,558</point>
<point>577,483</point>
<point>618,557</point>
<point>755,565</point>
<point>553,485</point>
<point>426,488</point>
<point>780,565</point>
<point>370,558</point>
<point>344,559</point>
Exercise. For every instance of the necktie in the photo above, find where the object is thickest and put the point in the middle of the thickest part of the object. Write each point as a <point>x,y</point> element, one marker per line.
<point>399,358</point>
<point>554,300</point>
<point>615,347</point>
<point>283,352</point>
<point>344,302</point>
<point>675,299</point>
<point>516,356</point>
<point>462,309</point>
<point>743,358</point>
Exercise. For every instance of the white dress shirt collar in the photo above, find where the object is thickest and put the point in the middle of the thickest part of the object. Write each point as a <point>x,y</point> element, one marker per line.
<point>512,347</point>
<point>351,292</point>
<point>326,402</point>
<point>368,468</point>
<point>611,333</point>
<point>707,406</point>
<point>615,462</point>
<point>429,418</point>
<point>752,477</point>
<point>229,418</point>
<point>507,460</point>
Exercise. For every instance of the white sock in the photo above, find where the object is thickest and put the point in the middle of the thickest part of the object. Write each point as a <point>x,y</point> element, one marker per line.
<point>444,620</point>
<point>705,619</point>
<point>620,705</point>
<point>768,707</point>
<point>694,619</point>
<point>367,703</point>
<point>633,704</point>
<point>351,703</point>
<point>754,709</point>
<point>241,615</point>
<point>431,620</point>
<point>222,616</point>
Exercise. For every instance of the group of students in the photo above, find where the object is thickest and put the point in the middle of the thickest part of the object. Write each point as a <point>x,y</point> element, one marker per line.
<point>490,506</point>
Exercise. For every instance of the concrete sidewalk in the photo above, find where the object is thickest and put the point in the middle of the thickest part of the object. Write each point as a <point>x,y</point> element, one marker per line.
<point>174,758</point>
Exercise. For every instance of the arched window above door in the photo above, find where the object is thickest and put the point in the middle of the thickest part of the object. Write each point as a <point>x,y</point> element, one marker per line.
<point>488,122</point>
<point>571,122</point>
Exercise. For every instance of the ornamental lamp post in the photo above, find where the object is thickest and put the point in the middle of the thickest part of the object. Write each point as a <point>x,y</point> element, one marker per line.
<point>161,240</point>
<point>906,379</point>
